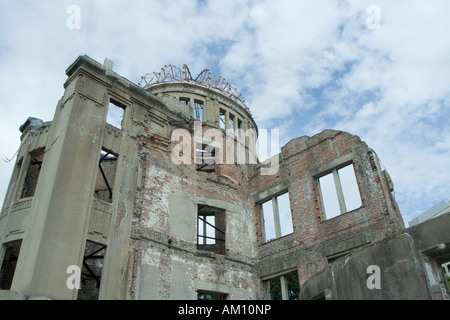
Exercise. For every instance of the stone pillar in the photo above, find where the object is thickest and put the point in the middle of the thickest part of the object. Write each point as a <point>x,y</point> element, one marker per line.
<point>117,258</point>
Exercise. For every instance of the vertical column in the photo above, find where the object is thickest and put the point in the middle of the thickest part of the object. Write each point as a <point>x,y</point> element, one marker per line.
<point>117,258</point>
<point>284,288</point>
<point>192,107</point>
<point>55,239</point>
<point>215,111</point>
<point>340,193</point>
<point>208,114</point>
<point>227,119</point>
<point>276,217</point>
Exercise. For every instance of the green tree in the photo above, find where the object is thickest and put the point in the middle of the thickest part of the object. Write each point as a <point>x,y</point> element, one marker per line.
<point>292,284</point>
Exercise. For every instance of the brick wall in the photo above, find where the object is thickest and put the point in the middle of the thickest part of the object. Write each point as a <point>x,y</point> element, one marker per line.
<point>377,219</point>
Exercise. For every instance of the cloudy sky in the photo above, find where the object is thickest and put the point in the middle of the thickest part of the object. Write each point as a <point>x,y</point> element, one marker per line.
<point>377,69</point>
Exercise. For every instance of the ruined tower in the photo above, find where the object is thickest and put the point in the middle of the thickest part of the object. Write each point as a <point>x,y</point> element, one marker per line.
<point>154,191</point>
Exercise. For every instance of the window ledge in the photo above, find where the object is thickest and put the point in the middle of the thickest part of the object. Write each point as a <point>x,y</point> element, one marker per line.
<point>342,214</point>
<point>276,239</point>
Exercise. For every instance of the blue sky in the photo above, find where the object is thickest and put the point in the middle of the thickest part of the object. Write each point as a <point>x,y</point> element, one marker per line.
<point>302,67</point>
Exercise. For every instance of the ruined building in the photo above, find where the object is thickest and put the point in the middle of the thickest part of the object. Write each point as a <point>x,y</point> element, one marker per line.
<point>170,202</point>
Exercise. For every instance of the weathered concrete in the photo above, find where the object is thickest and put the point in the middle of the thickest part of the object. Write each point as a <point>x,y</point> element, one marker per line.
<point>11,295</point>
<point>409,267</point>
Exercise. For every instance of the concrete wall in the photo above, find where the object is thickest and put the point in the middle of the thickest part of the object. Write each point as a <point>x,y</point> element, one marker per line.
<point>61,214</point>
<point>409,268</point>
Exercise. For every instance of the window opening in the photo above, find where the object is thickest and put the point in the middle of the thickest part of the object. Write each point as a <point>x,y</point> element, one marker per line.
<point>211,229</point>
<point>339,191</point>
<point>277,217</point>
<point>446,268</point>
<point>205,158</point>
<point>186,101</point>
<point>285,287</point>
<point>106,175</point>
<point>8,266</point>
<point>198,110</point>
<point>222,119</point>
<point>115,115</point>
<point>14,182</point>
<point>231,123</point>
<point>32,176</point>
<point>206,229</point>
<point>91,272</point>
<point>284,212</point>
<point>239,126</point>
<point>269,222</point>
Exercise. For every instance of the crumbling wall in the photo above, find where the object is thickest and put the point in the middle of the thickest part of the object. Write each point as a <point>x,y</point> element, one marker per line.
<point>317,240</point>
<point>166,261</point>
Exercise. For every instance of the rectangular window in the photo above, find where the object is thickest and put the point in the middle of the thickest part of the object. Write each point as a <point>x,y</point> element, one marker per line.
<point>269,222</point>
<point>277,217</point>
<point>239,126</point>
<point>198,110</point>
<point>339,191</point>
<point>91,272</point>
<point>285,287</point>
<point>115,114</point>
<point>186,101</point>
<point>222,119</point>
<point>32,175</point>
<point>206,229</point>
<point>211,229</point>
<point>231,123</point>
<point>105,177</point>
<point>8,265</point>
<point>205,158</point>
<point>446,268</point>
<point>11,191</point>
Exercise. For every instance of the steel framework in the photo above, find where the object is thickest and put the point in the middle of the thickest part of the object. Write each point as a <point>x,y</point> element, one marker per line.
<point>170,73</point>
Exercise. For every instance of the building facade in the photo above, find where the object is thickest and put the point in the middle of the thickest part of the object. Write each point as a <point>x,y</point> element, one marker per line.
<point>437,210</point>
<point>154,191</point>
